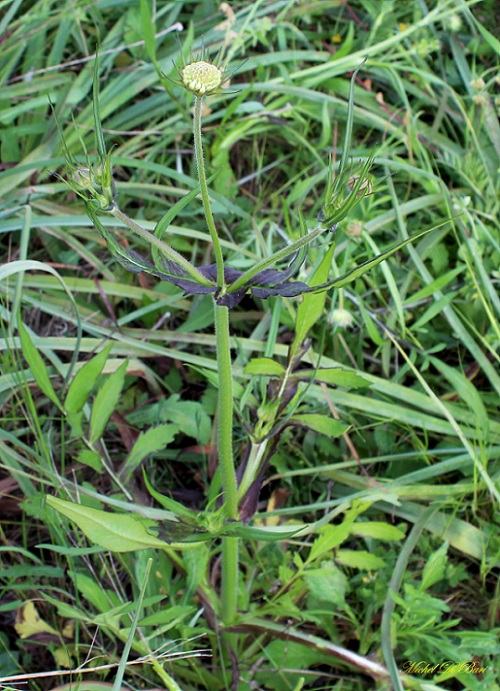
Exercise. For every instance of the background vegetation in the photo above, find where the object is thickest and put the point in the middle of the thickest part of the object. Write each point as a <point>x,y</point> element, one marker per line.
<point>404,565</point>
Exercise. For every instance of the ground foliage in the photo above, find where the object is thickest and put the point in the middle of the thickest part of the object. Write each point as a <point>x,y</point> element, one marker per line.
<point>400,489</point>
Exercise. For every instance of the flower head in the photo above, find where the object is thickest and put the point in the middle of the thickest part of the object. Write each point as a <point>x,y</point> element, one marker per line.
<point>201,77</point>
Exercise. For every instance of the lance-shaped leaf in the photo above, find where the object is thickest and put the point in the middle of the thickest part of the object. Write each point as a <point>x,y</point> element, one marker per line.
<point>183,532</point>
<point>113,531</point>
<point>360,270</point>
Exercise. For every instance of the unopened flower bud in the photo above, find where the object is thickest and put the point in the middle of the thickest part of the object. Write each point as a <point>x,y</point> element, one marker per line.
<point>453,22</point>
<point>480,100</point>
<point>83,178</point>
<point>478,83</point>
<point>354,229</point>
<point>365,187</point>
<point>342,318</point>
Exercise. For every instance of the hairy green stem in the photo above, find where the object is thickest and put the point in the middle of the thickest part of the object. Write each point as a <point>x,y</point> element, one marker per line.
<point>226,463</point>
<point>225,412</point>
<point>229,588</point>
<point>200,164</point>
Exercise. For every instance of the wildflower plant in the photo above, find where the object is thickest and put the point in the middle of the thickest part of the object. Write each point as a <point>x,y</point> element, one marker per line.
<point>346,186</point>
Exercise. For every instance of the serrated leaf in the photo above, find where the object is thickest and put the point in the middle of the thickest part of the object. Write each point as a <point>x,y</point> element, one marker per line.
<point>118,532</point>
<point>84,381</point>
<point>37,365</point>
<point>320,423</point>
<point>106,401</point>
<point>378,530</point>
<point>264,366</point>
<point>148,442</point>
<point>359,559</point>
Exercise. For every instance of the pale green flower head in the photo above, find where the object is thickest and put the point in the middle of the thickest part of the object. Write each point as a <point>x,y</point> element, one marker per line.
<point>201,78</point>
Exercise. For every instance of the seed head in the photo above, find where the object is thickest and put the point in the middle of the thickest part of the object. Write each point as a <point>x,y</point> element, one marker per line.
<point>201,77</point>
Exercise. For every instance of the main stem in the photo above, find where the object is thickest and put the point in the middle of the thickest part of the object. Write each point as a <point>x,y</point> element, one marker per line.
<point>225,413</point>
<point>229,589</point>
<point>200,164</point>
